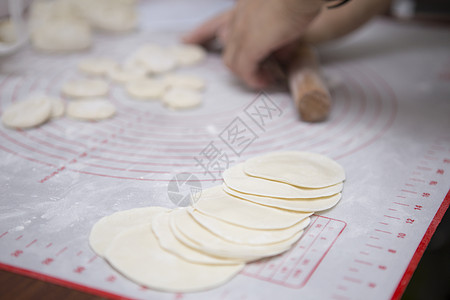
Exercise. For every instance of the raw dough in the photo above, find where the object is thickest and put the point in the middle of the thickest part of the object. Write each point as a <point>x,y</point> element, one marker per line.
<point>236,179</point>
<point>107,228</point>
<point>97,66</point>
<point>85,88</point>
<point>125,74</point>
<point>91,109</point>
<point>58,108</point>
<point>62,35</point>
<point>185,81</point>
<point>188,54</point>
<point>136,254</point>
<point>191,233</point>
<point>27,113</point>
<point>241,235</point>
<point>8,32</point>
<point>158,63</point>
<point>303,169</point>
<point>304,205</point>
<point>168,241</point>
<point>216,203</point>
<point>109,15</point>
<point>146,89</point>
<point>178,98</point>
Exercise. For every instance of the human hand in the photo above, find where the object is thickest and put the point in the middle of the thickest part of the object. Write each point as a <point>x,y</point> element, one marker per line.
<point>255,29</point>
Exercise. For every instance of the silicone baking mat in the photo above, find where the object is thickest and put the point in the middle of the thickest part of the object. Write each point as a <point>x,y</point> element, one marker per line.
<point>389,128</point>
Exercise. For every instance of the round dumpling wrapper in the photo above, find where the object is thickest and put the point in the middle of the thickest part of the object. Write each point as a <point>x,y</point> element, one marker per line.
<point>137,254</point>
<point>236,179</point>
<point>168,241</point>
<point>216,203</point>
<point>91,109</point>
<point>107,228</point>
<point>27,113</point>
<point>303,169</point>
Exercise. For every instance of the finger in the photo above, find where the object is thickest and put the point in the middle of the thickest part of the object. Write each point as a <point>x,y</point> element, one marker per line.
<point>207,30</point>
<point>247,63</point>
<point>248,70</point>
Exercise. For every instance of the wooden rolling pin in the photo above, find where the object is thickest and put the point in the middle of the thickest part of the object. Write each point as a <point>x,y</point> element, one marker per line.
<point>310,94</point>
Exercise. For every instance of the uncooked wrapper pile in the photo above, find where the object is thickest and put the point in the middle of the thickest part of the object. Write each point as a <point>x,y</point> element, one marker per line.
<point>261,210</point>
<point>147,74</point>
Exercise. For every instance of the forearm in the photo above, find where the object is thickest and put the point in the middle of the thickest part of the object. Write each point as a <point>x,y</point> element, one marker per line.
<point>334,23</point>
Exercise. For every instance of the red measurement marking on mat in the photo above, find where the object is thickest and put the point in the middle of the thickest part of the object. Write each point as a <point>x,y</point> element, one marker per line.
<point>374,246</point>
<point>294,268</point>
<point>61,251</point>
<point>392,217</point>
<point>417,180</point>
<point>47,261</point>
<point>19,237</point>
<point>79,253</point>
<point>92,259</point>
<point>408,191</point>
<point>351,279</point>
<point>3,234</point>
<point>59,170</point>
<point>401,203</point>
<point>32,242</point>
<point>17,253</point>
<point>383,231</point>
<point>49,245</point>
<point>79,269</point>
<point>364,262</point>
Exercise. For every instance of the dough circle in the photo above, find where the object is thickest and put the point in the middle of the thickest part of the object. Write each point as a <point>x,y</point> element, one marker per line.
<point>85,88</point>
<point>178,98</point>
<point>97,66</point>
<point>126,73</point>
<point>137,254</point>
<point>28,113</point>
<point>168,241</point>
<point>216,203</point>
<point>236,179</point>
<point>58,108</point>
<point>188,54</point>
<point>119,18</point>
<point>62,35</point>
<point>146,89</point>
<point>303,169</point>
<point>185,81</point>
<point>91,109</point>
<point>304,205</point>
<point>107,228</point>
<point>241,235</point>
<point>158,63</point>
<point>191,233</point>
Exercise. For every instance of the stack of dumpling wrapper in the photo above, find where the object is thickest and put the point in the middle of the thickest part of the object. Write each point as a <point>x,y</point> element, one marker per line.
<point>261,210</point>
